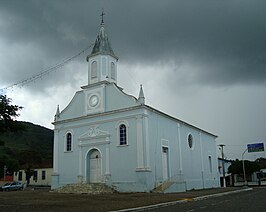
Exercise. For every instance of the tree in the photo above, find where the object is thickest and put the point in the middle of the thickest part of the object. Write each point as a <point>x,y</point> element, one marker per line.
<point>237,167</point>
<point>262,162</point>
<point>8,113</point>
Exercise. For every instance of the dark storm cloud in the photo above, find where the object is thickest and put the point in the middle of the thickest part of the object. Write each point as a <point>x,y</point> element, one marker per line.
<point>38,34</point>
<point>223,40</point>
<point>49,24</point>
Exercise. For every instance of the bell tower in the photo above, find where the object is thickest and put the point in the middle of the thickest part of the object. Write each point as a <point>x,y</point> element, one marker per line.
<point>102,60</point>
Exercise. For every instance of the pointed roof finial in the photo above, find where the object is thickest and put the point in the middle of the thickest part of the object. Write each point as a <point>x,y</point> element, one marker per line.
<point>141,98</point>
<point>57,114</point>
<point>102,16</point>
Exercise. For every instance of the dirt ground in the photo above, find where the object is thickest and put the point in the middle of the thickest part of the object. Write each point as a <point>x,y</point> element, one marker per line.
<point>38,200</point>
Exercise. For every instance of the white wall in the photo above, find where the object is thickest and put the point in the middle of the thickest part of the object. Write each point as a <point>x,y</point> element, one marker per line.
<point>42,180</point>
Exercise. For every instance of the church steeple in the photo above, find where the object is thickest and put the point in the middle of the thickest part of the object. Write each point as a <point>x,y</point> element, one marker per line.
<point>102,44</point>
<point>102,60</point>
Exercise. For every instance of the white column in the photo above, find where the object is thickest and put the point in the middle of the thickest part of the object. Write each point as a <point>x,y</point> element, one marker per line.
<point>56,151</point>
<point>180,149</point>
<point>107,155</point>
<point>147,141</point>
<point>80,177</point>
<point>140,158</point>
<point>55,174</point>
<point>202,163</point>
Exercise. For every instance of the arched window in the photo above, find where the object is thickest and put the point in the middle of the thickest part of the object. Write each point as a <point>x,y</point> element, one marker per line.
<point>210,163</point>
<point>190,141</point>
<point>113,71</point>
<point>69,142</point>
<point>122,134</point>
<point>93,70</point>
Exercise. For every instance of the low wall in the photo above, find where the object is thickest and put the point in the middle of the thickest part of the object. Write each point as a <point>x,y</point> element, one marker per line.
<point>263,183</point>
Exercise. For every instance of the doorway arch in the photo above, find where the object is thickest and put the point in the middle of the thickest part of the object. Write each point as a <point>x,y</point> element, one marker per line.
<point>94,166</point>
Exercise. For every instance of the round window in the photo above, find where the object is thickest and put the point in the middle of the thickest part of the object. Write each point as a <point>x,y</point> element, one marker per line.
<point>190,141</point>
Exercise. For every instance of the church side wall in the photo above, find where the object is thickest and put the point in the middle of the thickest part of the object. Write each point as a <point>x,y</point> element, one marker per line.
<point>190,166</point>
<point>163,134</point>
<point>210,161</point>
<point>196,167</point>
<point>191,157</point>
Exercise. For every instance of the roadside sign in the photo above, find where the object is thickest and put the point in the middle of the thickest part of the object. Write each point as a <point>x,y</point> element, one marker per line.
<point>257,147</point>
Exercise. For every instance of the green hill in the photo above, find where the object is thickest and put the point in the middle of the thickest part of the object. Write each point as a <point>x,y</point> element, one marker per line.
<point>32,147</point>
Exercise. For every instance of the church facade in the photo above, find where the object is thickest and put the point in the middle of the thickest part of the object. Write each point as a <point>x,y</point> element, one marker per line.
<point>107,136</point>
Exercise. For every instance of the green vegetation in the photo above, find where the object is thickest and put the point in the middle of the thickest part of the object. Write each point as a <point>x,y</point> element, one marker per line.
<point>262,162</point>
<point>30,148</point>
<point>23,145</point>
<point>8,113</point>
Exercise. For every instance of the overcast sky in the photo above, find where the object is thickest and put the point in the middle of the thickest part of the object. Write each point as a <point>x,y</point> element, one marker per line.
<point>202,61</point>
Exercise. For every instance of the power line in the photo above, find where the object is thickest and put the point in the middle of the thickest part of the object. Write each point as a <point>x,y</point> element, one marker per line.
<point>236,145</point>
<point>45,71</point>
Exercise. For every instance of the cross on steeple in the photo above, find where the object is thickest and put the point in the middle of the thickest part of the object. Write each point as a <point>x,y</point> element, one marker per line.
<point>102,16</point>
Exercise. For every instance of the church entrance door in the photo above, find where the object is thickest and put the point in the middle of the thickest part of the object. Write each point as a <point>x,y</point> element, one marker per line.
<point>94,166</point>
<point>165,164</point>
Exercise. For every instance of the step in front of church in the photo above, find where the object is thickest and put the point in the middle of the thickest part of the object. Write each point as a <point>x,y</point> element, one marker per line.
<point>86,188</point>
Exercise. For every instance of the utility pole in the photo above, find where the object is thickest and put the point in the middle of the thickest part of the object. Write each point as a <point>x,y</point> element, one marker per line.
<point>244,171</point>
<point>222,149</point>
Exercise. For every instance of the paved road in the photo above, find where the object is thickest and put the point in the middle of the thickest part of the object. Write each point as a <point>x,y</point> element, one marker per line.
<point>250,201</point>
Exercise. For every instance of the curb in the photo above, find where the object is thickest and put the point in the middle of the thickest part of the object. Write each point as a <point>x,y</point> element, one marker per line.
<point>220,194</point>
<point>160,205</point>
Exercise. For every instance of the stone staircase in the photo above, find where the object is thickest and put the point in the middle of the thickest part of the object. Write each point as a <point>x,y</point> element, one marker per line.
<point>161,188</point>
<point>85,188</point>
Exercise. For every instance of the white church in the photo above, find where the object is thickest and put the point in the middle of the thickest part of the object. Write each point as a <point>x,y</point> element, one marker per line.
<point>107,136</point>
